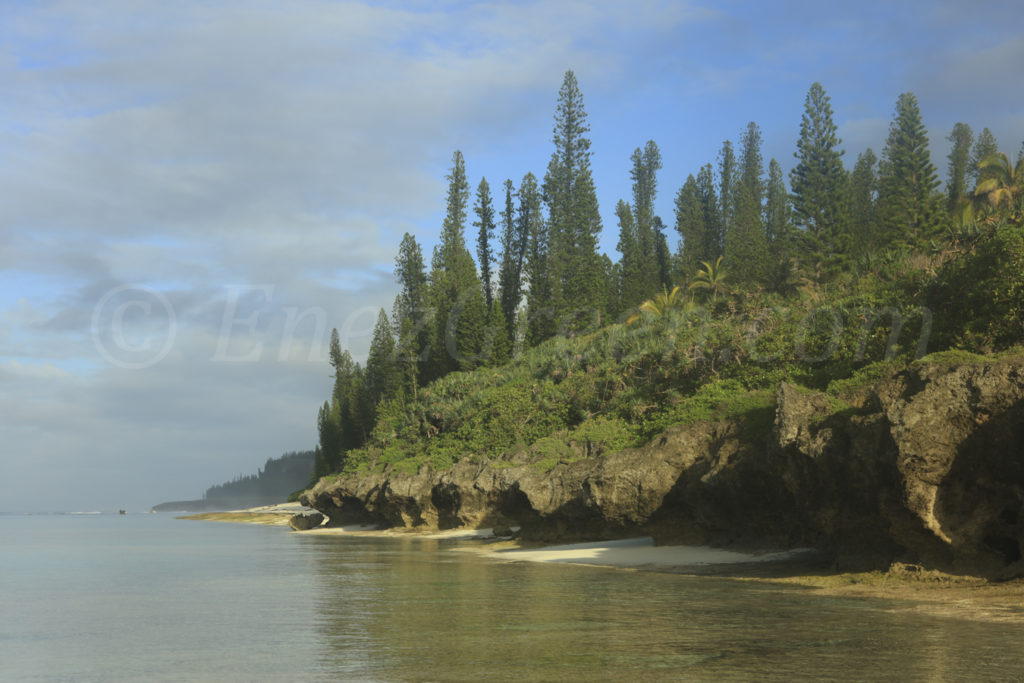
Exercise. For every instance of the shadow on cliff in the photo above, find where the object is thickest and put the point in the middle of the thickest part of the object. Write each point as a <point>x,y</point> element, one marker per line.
<point>980,502</point>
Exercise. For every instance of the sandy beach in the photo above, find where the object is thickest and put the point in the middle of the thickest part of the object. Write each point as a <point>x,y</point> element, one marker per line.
<point>370,530</point>
<point>631,553</point>
<point>640,553</point>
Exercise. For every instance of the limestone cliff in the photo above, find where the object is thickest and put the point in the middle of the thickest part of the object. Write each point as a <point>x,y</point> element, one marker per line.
<point>926,466</point>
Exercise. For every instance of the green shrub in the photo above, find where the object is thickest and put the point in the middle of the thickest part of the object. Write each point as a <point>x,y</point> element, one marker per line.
<point>863,377</point>
<point>978,298</point>
<point>955,357</point>
<point>604,434</point>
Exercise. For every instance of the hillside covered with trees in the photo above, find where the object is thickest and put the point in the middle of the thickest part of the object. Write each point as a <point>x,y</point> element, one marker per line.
<point>542,350</point>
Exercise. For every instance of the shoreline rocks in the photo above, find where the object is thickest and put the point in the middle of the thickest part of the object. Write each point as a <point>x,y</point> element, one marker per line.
<point>924,467</point>
<point>306,520</point>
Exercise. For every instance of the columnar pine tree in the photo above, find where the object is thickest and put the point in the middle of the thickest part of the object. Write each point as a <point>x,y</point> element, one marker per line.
<point>714,233</point>
<point>698,222</point>
<point>863,193</point>
<point>344,374</point>
<point>692,229</point>
<point>818,179</point>
<point>646,164</point>
<point>361,410</point>
<point>412,317</point>
<point>329,433</point>
<point>332,416</point>
<point>341,361</point>
<point>777,210</point>
<point>382,377</point>
<point>959,161</point>
<point>726,178</point>
<point>455,290</point>
<point>320,467</point>
<point>344,370</point>
<point>485,234</point>
<point>406,358</point>
<point>662,254</point>
<point>539,312</point>
<point>611,278</point>
<point>498,344</point>
<point>746,247</point>
<point>630,290</point>
<point>778,226</point>
<point>574,222</point>
<point>751,166</point>
<point>908,179</point>
<point>410,272</point>
<point>984,147</point>
<point>514,244</point>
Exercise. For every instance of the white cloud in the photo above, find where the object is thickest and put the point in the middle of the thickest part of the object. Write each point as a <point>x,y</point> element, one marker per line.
<point>13,369</point>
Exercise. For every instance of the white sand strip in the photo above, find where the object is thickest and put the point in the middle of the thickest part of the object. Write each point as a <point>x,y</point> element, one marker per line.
<point>278,509</point>
<point>370,530</point>
<point>485,534</point>
<point>638,552</point>
<point>365,529</point>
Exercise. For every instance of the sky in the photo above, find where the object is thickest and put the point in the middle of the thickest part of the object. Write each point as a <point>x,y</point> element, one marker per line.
<point>193,194</point>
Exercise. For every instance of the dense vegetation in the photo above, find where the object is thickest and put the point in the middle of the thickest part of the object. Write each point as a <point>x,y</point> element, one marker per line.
<point>543,350</point>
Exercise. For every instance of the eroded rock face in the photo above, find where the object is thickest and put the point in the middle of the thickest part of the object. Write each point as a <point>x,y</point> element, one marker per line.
<point>306,520</point>
<point>960,438</point>
<point>925,467</point>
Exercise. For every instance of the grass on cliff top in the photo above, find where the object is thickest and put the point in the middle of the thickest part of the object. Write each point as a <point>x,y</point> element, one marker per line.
<point>962,357</point>
<point>862,378</point>
<point>621,385</point>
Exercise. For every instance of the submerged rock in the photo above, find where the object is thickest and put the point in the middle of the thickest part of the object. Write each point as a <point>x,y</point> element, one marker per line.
<point>925,467</point>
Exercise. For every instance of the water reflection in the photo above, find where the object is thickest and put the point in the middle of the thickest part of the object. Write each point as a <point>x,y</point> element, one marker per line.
<point>409,609</point>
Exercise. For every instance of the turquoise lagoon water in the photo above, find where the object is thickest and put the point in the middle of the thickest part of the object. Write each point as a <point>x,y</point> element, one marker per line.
<point>150,597</point>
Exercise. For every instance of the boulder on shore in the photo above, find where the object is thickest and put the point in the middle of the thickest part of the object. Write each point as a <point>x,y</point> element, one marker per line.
<point>306,520</point>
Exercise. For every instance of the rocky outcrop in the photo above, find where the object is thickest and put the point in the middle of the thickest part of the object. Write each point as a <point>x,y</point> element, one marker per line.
<point>306,520</point>
<point>926,467</point>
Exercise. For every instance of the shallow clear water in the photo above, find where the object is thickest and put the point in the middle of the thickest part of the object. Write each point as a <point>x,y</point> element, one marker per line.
<point>148,597</point>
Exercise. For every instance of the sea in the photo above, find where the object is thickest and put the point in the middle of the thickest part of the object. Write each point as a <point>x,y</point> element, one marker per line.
<point>148,597</point>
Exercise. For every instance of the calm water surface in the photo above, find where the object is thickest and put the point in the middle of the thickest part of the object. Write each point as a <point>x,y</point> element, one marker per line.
<point>148,597</point>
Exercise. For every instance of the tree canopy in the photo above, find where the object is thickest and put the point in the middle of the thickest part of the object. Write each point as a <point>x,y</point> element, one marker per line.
<point>744,239</point>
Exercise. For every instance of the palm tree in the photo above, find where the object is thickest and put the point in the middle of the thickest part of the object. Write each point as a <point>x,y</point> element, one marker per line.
<point>1003,182</point>
<point>712,278</point>
<point>661,304</point>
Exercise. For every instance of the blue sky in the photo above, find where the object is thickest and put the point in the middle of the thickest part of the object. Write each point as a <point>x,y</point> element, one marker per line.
<point>195,193</point>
